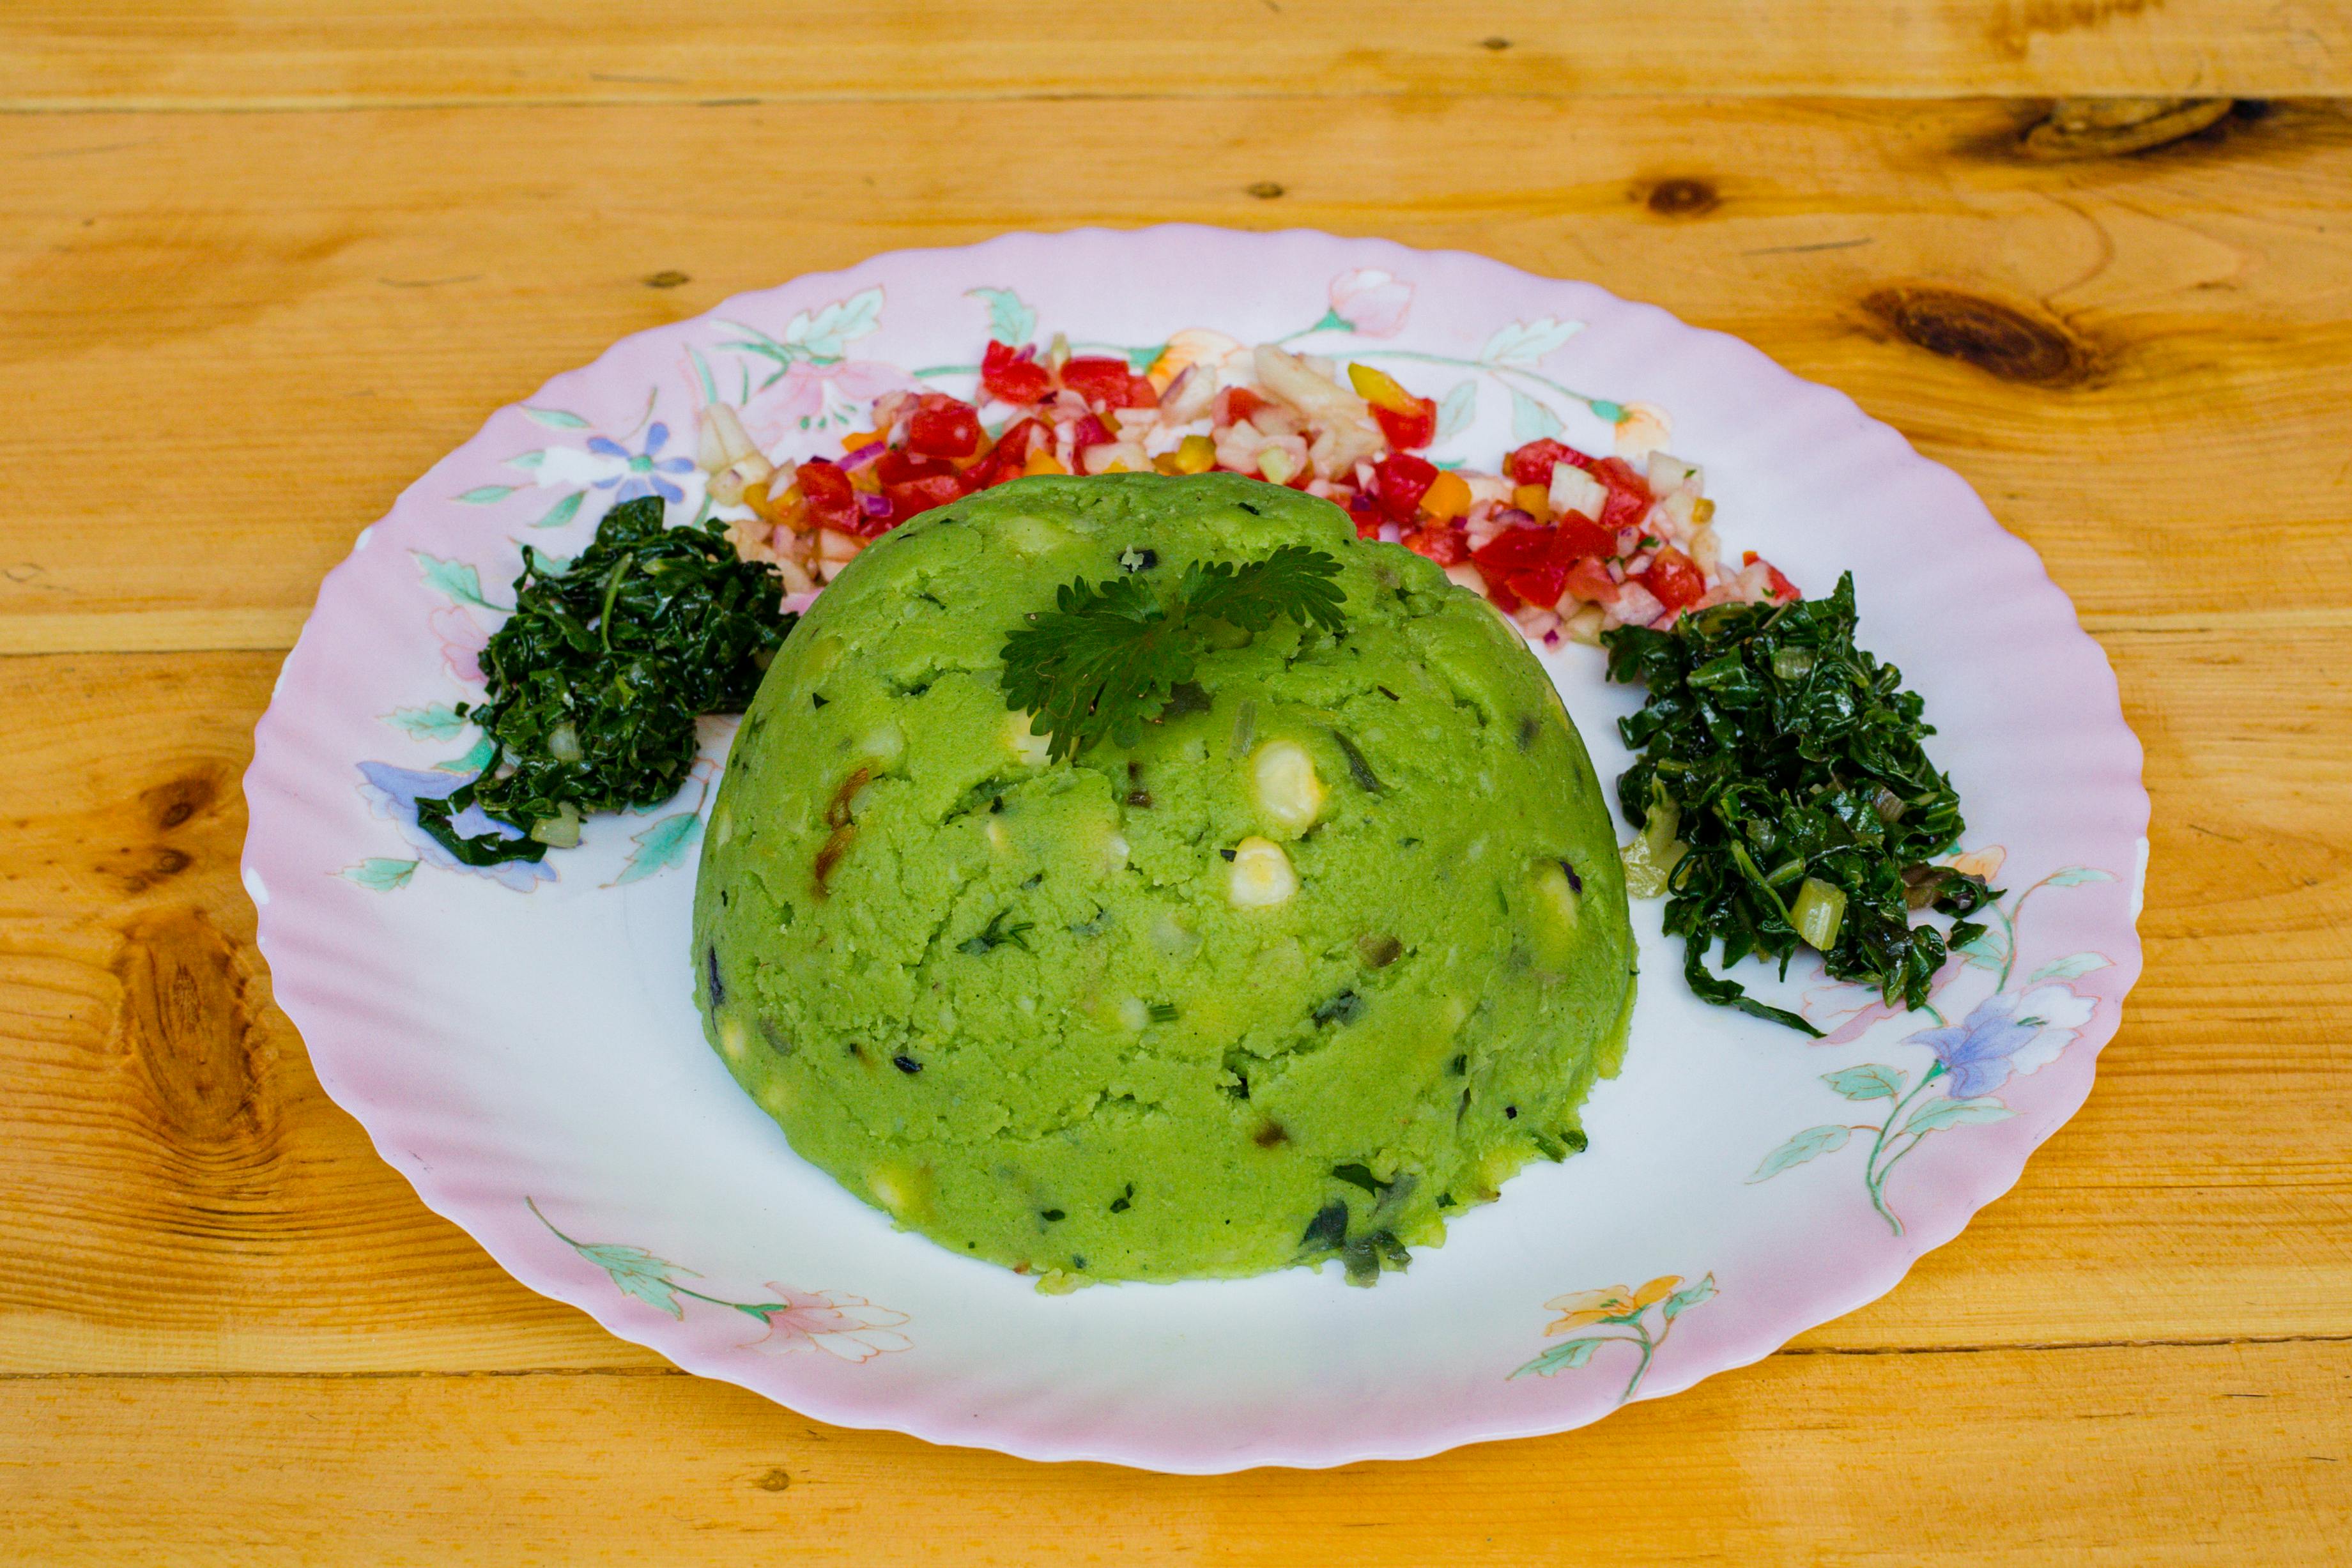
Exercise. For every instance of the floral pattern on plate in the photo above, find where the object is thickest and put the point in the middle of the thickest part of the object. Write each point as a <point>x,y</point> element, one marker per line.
<point>589,1094</point>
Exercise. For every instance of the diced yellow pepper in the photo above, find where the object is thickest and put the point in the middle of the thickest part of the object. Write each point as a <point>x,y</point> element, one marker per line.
<point>1196,455</point>
<point>856,438</point>
<point>1041,462</point>
<point>1166,464</point>
<point>1533,499</point>
<point>1448,497</point>
<point>1379,388</point>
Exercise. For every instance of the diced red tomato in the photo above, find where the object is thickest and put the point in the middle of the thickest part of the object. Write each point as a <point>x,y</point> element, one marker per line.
<point>1522,561</point>
<point>1088,432</point>
<point>1533,463</point>
<point>1540,564</point>
<point>1447,544</point>
<point>1366,513</point>
<point>1140,394</point>
<point>1235,404</point>
<point>1097,378</point>
<point>898,467</point>
<point>1783,591</point>
<point>1499,593</point>
<point>1408,430</point>
<point>1013,376</point>
<point>1402,479</point>
<point>920,495</point>
<point>1020,437</point>
<point>1513,550</point>
<point>832,502</point>
<point>1581,536</point>
<point>1675,578</point>
<point>1629,493</point>
<point>1588,580</point>
<point>989,471</point>
<point>950,432</point>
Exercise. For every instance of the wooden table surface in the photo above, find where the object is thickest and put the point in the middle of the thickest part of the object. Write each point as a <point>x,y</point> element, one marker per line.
<point>267,259</point>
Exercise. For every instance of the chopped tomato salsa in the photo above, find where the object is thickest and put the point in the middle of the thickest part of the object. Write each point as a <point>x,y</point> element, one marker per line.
<point>1564,542</point>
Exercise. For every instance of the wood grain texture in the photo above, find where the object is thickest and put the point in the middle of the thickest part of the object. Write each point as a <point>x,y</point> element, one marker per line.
<point>320,337</point>
<point>2233,1454</point>
<point>180,53</point>
<point>229,1334</point>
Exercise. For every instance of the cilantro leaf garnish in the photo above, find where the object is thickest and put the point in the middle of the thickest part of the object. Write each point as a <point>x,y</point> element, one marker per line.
<point>1791,763</point>
<point>1102,662</point>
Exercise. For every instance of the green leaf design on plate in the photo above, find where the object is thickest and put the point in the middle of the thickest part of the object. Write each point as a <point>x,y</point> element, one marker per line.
<point>1567,1357</point>
<point>638,1273</point>
<point>1457,410</point>
<point>660,846</point>
<point>1939,1113</point>
<point>438,722</point>
<point>528,460</point>
<point>378,874</point>
<point>453,579</point>
<point>1810,1144</point>
<point>1689,1296</point>
<point>483,495</point>
<point>1869,1081</point>
<point>827,334</point>
<point>1531,420</point>
<point>562,511</point>
<point>555,418</point>
<point>2076,876</point>
<point>1011,321</point>
<point>1523,344</point>
<point>2072,967</point>
<point>473,762</point>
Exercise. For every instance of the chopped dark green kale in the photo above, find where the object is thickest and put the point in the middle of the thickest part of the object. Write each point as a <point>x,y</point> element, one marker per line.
<point>1783,796</point>
<point>597,677</point>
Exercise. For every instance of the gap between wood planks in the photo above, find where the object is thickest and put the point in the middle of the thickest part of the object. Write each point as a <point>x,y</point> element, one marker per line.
<point>2205,1341</point>
<point>357,104</point>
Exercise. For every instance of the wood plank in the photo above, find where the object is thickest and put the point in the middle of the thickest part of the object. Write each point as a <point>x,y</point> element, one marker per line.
<point>399,275</point>
<point>178,53</point>
<point>2152,1455</point>
<point>176,1194</point>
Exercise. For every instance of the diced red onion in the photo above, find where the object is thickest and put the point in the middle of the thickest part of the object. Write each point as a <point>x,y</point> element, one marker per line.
<point>874,506</point>
<point>853,461</point>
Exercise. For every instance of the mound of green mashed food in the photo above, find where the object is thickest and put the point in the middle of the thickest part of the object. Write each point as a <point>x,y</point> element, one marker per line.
<point>1336,947</point>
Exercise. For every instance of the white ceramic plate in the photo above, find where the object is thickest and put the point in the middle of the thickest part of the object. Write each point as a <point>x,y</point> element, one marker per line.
<point>522,1045</point>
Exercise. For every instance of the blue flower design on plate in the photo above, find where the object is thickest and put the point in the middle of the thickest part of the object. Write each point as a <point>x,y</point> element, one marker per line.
<point>392,793</point>
<point>646,469</point>
<point>2007,1033</point>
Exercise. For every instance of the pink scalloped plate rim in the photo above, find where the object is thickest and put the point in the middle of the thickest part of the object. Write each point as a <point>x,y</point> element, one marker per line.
<point>573,1122</point>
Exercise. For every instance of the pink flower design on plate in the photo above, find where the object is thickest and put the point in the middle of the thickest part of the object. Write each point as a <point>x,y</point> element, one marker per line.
<point>834,1321</point>
<point>808,395</point>
<point>1373,302</point>
<point>463,638</point>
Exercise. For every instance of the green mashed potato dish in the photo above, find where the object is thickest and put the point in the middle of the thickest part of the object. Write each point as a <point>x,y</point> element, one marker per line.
<point>1333,948</point>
